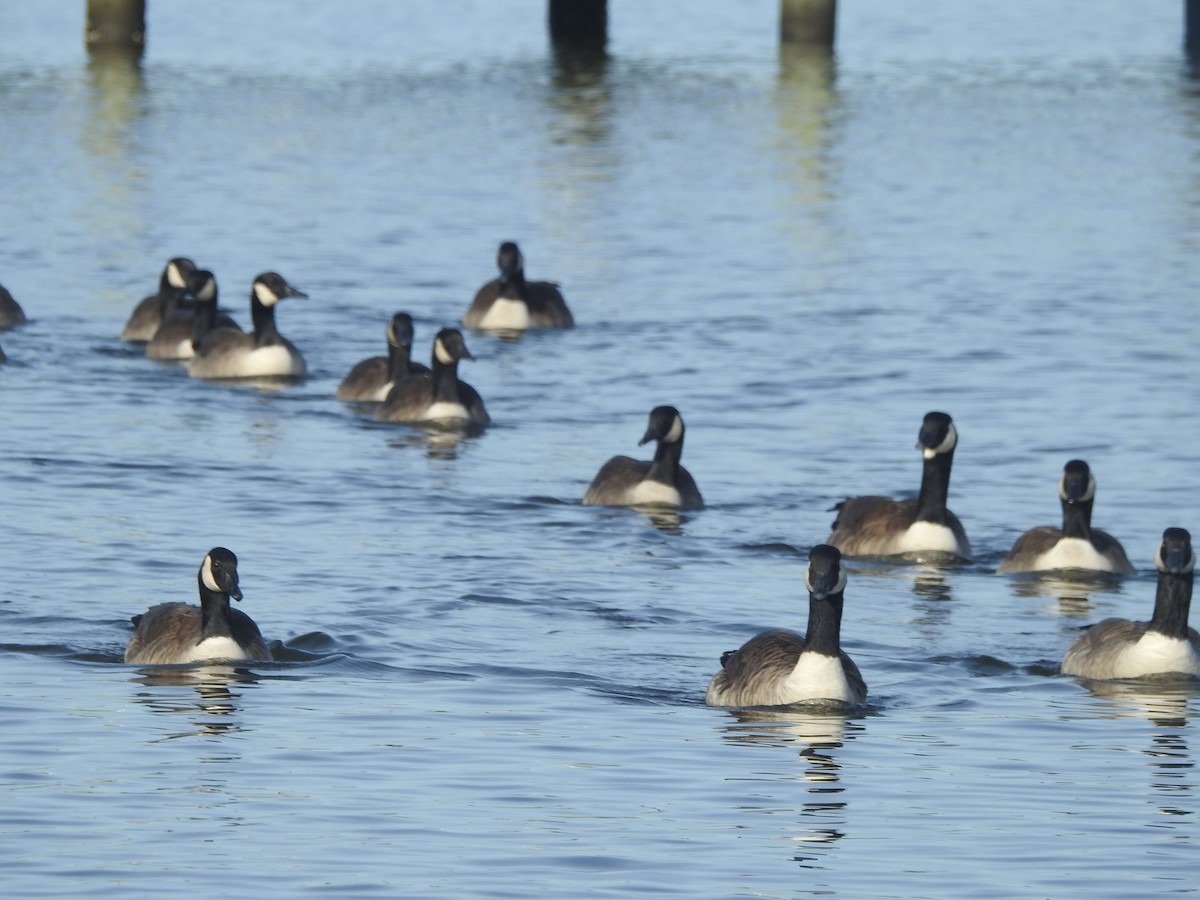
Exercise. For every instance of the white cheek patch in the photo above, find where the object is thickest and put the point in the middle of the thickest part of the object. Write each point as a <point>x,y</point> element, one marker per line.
<point>676,432</point>
<point>208,292</point>
<point>945,446</point>
<point>175,277</point>
<point>439,350</point>
<point>206,573</point>
<point>1161,566</point>
<point>837,588</point>
<point>265,295</point>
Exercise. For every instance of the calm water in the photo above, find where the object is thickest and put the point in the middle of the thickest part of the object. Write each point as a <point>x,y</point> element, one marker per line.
<point>485,689</point>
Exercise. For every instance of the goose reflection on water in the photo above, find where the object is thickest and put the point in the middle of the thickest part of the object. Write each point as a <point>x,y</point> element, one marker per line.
<point>1165,705</point>
<point>819,734</point>
<point>207,692</point>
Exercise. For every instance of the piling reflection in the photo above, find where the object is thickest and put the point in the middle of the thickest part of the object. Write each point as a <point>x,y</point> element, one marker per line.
<point>818,734</point>
<point>116,107</point>
<point>204,692</point>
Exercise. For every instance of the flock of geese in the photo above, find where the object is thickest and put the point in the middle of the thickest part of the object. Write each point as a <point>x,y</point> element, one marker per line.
<point>183,322</point>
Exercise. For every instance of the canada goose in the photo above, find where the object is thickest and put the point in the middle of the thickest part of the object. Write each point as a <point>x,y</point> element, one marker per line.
<point>510,303</point>
<point>1076,545</point>
<point>624,481</point>
<point>11,313</point>
<point>881,526</point>
<point>1119,648</point>
<point>183,633</point>
<point>371,379</point>
<point>779,667</point>
<point>148,314</point>
<point>437,395</point>
<point>264,353</point>
<point>174,339</point>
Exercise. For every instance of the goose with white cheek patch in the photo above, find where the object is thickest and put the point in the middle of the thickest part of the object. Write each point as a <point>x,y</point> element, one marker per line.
<point>437,396</point>
<point>1077,545</point>
<point>11,313</point>
<point>176,633</point>
<point>780,667</point>
<point>663,481</point>
<point>1164,646</point>
<point>173,284</point>
<point>511,303</point>
<point>263,353</point>
<point>175,338</point>
<point>372,379</point>
<point>881,526</point>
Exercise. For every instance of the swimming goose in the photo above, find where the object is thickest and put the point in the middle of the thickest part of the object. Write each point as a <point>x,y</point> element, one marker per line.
<point>1077,545</point>
<point>148,314</point>
<point>1119,648</point>
<point>624,481</point>
<point>437,395</point>
<point>372,379</point>
<point>174,339</point>
<point>183,633</point>
<point>881,526</point>
<point>780,667</point>
<point>510,303</point>
<point>11,313</point>
<point>264,353</point>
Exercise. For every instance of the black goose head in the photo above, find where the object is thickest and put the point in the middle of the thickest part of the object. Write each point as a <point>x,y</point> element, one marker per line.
<point>400,330</point>
<point>177,274</point>
<point>271,287</point>
<point>218,572</point>
<point>937,435</point>
<point>449,347</point>
<point>1077,484</point>
<point>824,576</point>
<point>666,425</point>
<point>1175,555</point>
<point>203,286</point>
<point>510,261</point>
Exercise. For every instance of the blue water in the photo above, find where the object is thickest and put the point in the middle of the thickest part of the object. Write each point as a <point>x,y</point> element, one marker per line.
<point>482,687</point>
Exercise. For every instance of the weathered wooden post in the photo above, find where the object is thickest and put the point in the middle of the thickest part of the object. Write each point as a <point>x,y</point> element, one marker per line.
<point>116,25</point>
<point>810,22</point>
<point>1191,28</point>
<point>581,22</point>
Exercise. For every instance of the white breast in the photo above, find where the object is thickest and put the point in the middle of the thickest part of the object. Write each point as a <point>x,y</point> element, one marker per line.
<point>441,412</point>
<point>214,648</point>
<point>1072,553</point>
<point>1157,654</point>
<point>505,315</point>
<point>267,362</point>
<point>817,677</point>
<point>653,493</point>
<point>928,537</point>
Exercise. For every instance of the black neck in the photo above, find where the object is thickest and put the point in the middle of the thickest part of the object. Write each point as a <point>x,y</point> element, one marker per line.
<point>399,357</point>
<point>666,461</point>
<point>1172,602</point>
<point>265,332</point>
<point>202,323</point>
<point>214,612</point>
<point>824,625</point>
<point>445,380</point>
<point>935,488</point>
<point>1077,519</point>
<point>514,287</point>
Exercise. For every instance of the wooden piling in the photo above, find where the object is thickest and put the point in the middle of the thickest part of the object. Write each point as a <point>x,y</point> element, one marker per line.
<point>811,22</point>
<point>580,22</point>
<point>116,25</point>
